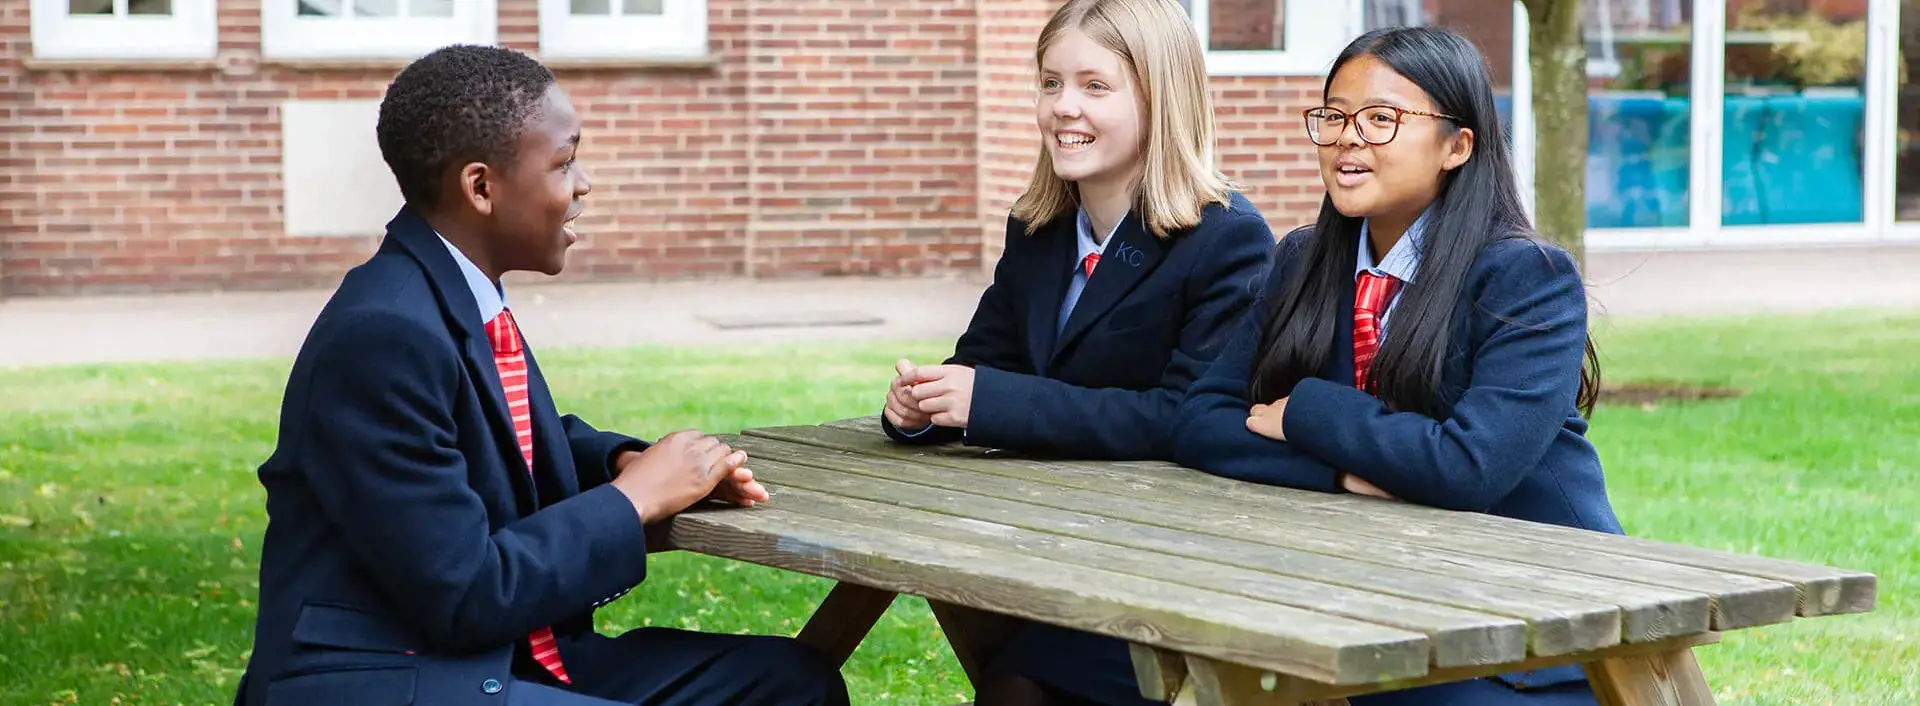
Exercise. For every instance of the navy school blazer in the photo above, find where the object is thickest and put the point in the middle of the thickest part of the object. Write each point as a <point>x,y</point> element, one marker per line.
<point>404,557</point>
<point>1151,318</point>
<point>1508,441</point>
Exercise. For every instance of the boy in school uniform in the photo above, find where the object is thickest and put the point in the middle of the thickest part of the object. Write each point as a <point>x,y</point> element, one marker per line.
<point>439,533</point>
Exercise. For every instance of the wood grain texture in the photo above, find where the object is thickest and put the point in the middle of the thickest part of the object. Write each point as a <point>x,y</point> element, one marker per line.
<point>1192,621</point>
<point>1818,590</point>
<point>1458,637</point>
<point>1650,613</point>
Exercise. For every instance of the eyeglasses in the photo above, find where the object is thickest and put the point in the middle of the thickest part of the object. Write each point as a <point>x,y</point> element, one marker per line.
<point>1376,124</point>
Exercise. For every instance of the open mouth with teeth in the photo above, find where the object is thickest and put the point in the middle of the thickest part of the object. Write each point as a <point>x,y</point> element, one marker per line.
<point>1073,140</point>
<point>567,229</point>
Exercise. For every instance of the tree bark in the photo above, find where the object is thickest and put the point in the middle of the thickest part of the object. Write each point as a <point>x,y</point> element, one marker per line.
<point>1558,54</point>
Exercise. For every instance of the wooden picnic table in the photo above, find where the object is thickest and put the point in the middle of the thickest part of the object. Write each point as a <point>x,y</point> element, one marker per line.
<point>1238,593</point>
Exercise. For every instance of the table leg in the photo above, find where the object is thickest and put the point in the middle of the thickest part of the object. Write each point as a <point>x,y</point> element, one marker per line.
<point>975,635</point>
<point>1671,678</point>
<point>843,620</point>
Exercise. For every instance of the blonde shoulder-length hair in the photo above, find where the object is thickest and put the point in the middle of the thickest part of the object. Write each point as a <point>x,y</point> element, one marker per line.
<point>1156,42</point>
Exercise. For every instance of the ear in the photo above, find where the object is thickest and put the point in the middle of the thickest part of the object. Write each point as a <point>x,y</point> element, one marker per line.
<point>475,180</point>
<point>1459,149</point>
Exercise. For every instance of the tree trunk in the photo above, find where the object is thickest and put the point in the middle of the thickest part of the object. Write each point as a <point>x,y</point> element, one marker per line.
<point>1558,55</point>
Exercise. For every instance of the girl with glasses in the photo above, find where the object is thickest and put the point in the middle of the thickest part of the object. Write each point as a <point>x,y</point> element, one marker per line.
<point>1419,343</point>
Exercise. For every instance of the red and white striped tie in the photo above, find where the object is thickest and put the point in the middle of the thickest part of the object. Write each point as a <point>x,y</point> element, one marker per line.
<point>511,360</point>
<point>1370,299</point>
<point>1092,258</point>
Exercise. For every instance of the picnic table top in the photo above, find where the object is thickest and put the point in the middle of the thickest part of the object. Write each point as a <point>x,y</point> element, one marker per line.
<point>1336,589</point>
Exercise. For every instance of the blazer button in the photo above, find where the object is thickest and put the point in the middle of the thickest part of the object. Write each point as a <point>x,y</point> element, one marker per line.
<point>491,686</point>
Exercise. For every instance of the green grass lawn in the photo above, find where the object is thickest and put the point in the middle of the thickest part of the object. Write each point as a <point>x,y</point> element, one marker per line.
<point>130,517</point>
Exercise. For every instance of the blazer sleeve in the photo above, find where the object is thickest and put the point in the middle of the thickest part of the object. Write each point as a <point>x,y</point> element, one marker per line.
<point>992,338</point>
<point>1530,326</point>
<point>380,438</point>
<point>594,450</point>
<point>1210,429</point>
<point>1019,411</point>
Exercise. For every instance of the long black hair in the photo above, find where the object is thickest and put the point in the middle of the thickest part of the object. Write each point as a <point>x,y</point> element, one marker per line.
<point>1479,203</point>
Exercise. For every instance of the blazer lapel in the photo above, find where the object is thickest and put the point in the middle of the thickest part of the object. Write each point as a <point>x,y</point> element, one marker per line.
<point>1128,260</point>
<point>1339,366</point>
<point>552,456</point>
<point>414,235</point>
<point>1050,273</point>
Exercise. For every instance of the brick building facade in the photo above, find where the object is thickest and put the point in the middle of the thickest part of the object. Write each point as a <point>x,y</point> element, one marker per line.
<point>758,138</point>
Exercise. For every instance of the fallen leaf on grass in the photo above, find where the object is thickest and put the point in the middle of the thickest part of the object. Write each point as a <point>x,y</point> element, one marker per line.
<point>15,521</point>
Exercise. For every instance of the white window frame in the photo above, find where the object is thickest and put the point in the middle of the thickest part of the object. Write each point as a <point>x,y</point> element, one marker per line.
<point>284,34</point>
<point>191,32</point>
<point>1316,31</point>
<point>679,32</point>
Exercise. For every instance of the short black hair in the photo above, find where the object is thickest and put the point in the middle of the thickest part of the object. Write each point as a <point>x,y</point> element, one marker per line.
<point>461,103</point>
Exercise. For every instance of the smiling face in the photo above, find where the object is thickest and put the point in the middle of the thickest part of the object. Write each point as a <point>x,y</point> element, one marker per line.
<point>1400,178</point>
<point>538,195</point>
<point>1089,112</point>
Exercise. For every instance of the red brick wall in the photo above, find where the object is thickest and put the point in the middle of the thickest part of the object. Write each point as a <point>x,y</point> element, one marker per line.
<point>1009,137</point>
<point>1245,24</point>
<point>1263,145</point>
<point>833,137</point>
<point>863,118</point>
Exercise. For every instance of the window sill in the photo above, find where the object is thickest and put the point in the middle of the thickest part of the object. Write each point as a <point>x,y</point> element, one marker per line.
<point>36,64</point>
<point>705,61</point>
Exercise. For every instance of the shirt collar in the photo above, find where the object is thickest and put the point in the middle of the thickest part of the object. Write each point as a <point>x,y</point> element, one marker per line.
<point>1402,261</point>
<point>490,297</point>
<point>1084,227</point>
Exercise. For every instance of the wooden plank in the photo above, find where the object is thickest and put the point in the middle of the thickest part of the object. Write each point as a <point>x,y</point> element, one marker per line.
<point>1305,690</point>
<point>1649,613</point>
<point>1229,627</point>
<point>1819,590</point>
<point>1735,600</point>
<point>975,636</point>
<point>1558,624</point>
<point>1671,678</point>
<point>1458,637</point>
<point>844,619</point>
<point>1159,672</point>
<point>1222,684</point>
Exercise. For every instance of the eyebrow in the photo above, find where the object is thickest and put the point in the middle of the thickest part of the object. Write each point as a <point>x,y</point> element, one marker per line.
<point>572,142</point>
<point>1082,72</point>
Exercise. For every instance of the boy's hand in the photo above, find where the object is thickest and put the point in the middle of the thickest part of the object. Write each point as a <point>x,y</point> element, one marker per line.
<point>681,469</point>
<point>739,487</point>
<point>902,409</point>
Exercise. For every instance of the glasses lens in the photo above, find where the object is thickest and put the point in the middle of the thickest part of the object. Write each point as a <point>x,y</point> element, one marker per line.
<point>1378,125</point>
<point>1323,125</point>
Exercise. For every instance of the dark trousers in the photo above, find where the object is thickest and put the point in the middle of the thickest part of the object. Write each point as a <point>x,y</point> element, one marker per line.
<point>667,667</point>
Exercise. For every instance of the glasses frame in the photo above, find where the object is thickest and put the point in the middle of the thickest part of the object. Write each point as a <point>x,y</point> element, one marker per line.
<point>1399,118</point>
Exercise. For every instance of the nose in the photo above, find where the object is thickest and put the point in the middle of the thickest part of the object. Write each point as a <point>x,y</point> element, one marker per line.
<point>1066,105</point>
<point>581,183</point>
<point>1350,134</point>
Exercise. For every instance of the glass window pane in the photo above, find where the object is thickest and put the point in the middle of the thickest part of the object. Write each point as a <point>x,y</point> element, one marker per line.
<point>1247,25</point>
<point>89,7</point>
<point>1795,113</point>
<point>643,7</point>
<point>430,8</point>
<point>150,7</point>
<point>376,8</point>
<point>318,8</point>
<point>1639,144</point>
<point>1906,182</point>
<point>592,7</point>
